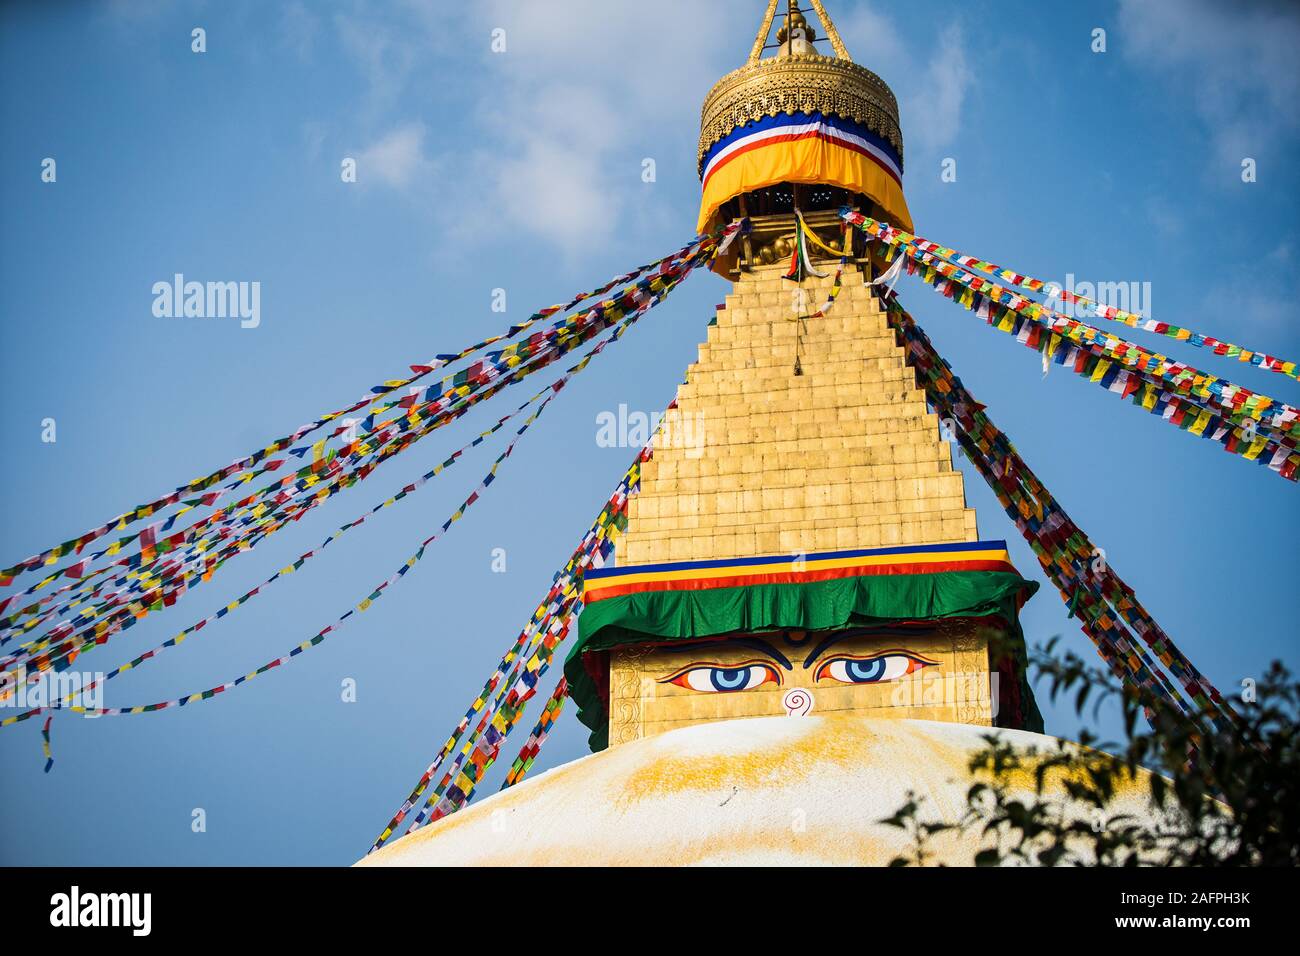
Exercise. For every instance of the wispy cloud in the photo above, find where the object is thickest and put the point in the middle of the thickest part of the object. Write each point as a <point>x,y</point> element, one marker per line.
<point>1249,306</point>
<point>1238,58</point>
<point>554,128</point>
<point>388,43</point>
<point>931,103</point>
<point>564,117</point>
<point>397,159</point>
<point>569,164</point>
<point>943,92</point>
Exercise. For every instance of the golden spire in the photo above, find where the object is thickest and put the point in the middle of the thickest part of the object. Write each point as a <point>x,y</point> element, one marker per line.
<point>794,22</point>
<point>803,82</point>
<point>828,96</point>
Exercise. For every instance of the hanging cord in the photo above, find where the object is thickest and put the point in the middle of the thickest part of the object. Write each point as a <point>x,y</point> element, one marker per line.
<point>797,273</point>
<point>801,252</point>
<point>801,323</point>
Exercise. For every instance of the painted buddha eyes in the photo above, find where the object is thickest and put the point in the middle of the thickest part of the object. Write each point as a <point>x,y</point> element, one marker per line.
<point>870,670</point>
<point>712,679</point>
<point>876,668</point>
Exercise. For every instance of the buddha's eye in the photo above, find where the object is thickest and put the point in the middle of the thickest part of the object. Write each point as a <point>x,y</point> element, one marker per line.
<point>871,670</point>
<point>715,679</point>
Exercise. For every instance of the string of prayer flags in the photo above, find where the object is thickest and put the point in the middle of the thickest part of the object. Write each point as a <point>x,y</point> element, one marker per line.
<point>1250,425</point>
<point>70,649</point>
<point>320,635</point>
<point>455,388</point>
<point>541,730</point>
<point>836,286</point>
<point>627,321</point>
<point>552,611</point>
<point>146,593</point>
<point>75,545</point>
<point>1205,413</point>
<point>801,264</point>
<point>1052,291</point>
<point>980,295</point>
<point>1106,607</point>
<point>481,748</point>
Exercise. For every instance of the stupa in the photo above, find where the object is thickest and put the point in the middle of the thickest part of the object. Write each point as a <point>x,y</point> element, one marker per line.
<point>802,623</point>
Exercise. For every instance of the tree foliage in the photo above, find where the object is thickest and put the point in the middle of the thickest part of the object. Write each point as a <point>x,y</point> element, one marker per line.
<point>1226,795</point>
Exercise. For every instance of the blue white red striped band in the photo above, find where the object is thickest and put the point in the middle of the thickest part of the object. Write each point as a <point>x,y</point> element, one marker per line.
<point>791,127</point>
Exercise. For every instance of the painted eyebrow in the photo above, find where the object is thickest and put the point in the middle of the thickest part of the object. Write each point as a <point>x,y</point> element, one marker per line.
<point>761,645</point>
<point>844,635</point>
<point>753,643</point>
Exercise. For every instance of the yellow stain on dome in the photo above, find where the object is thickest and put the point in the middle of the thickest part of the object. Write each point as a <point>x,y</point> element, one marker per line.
<point>769,790</point>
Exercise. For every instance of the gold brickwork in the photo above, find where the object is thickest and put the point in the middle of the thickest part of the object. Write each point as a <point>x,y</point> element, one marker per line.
<point>758,460</point>
<point>764,461</point>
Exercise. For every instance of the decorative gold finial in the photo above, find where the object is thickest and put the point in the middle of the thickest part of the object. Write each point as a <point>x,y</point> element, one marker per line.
<point>799,106</point>
<point>796,30</point>
<point>795,21</point>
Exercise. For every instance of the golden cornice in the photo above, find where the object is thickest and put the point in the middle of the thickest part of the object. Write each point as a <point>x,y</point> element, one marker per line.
<point>803,83</point>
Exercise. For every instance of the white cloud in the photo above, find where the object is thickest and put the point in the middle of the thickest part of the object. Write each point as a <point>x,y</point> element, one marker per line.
<point>871,38</point>
<point>943,92</point>
<point>1249,308</point>
<point>1238,59</point>
<point>554,192</point>
<point>566,115</point>
<point>560,118</point>
<point>397,159</point>
<point>570,100</point>
<point>931,101</point>
<point>386,43</point>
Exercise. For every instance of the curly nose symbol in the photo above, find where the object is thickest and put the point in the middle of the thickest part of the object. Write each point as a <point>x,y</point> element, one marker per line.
<point>797,702</point>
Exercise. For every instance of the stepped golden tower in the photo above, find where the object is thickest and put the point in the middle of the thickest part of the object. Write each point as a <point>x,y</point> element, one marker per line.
<point>802,625</point>
<point>799,470</point>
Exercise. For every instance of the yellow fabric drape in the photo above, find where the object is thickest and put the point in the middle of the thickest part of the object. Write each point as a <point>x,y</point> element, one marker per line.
<point>813,161</point>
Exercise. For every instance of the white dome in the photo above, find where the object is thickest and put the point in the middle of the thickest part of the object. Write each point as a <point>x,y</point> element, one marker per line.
<point>757,791</point>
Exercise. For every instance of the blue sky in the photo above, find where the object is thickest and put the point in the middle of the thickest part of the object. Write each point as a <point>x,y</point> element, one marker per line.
<point>522,170</point>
